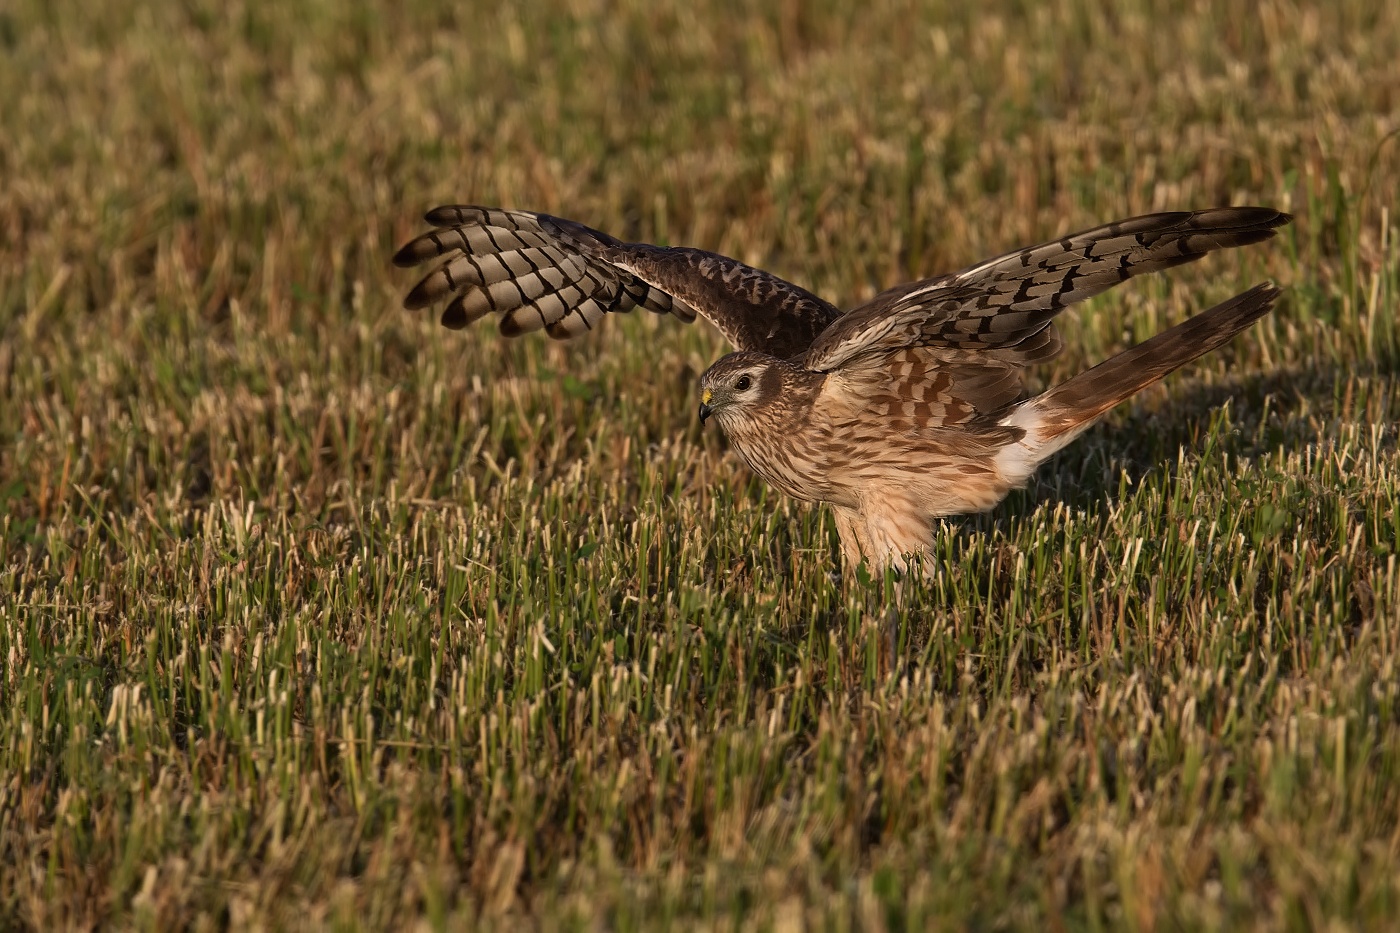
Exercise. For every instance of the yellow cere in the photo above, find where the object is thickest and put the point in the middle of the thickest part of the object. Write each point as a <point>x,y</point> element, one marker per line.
<point>706,396</point>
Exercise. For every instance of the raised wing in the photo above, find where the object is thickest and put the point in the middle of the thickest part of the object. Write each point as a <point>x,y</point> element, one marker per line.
<point>538,271</point>
<point>754,309</point>
<point>1005,306</point>
<point>534,270</point>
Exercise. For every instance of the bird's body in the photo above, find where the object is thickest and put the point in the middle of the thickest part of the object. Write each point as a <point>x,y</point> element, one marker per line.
<point>905,409</point>
<point>884,504</point>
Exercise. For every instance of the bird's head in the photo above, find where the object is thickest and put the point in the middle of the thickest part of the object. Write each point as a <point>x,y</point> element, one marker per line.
<point>739,387</point>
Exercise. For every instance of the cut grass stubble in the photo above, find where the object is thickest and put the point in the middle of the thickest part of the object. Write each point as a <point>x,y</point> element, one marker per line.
<point>312,613</point>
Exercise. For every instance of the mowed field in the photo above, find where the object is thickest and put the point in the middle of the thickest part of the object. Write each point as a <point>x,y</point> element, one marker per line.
<point>316,615</point>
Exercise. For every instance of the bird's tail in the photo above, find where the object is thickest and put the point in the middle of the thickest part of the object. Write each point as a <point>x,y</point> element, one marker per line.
<point>1056,417</point>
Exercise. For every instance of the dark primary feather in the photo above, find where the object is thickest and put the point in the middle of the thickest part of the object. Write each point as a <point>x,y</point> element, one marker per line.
<point>968,336</point>
<point>539,271</point>
<point>1006,304</point>
<point>534,270</point>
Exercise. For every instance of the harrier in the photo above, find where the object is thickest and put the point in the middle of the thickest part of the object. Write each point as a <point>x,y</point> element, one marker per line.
<point>907,408</point>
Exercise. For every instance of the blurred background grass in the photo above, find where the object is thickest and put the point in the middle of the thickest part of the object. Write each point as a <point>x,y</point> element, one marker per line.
<point>311,612</point>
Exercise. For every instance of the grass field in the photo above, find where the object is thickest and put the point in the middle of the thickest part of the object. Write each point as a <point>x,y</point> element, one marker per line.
<point>315,614</point>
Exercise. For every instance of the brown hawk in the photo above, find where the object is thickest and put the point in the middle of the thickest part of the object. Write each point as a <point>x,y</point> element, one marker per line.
<point>907,408</point>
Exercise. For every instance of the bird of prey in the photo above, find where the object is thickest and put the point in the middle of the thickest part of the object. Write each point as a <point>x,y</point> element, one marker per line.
<point>905,409</point>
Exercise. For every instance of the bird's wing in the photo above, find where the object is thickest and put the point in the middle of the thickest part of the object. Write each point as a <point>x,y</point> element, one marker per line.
<point>1005,306</point>
<point>538,271</point>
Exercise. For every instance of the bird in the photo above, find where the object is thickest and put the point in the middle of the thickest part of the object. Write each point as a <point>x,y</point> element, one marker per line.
<point>897,413</point>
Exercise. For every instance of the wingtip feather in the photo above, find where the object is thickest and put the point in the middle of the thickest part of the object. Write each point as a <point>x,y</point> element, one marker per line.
<point>411,254</point>
<point>421,295</point>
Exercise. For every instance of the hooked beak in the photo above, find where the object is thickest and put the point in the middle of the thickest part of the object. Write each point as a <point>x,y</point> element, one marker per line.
<point>705,408</point>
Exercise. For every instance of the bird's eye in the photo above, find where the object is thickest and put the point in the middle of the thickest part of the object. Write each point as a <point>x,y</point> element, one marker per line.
<point>743,383</point>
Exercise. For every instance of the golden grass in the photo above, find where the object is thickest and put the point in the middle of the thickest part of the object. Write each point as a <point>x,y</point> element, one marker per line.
<point>312,613</point>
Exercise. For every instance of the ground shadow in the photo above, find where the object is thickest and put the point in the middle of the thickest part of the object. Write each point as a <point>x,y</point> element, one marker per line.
<point>1268,411</point>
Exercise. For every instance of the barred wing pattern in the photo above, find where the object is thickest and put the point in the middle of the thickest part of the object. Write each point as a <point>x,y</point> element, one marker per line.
<point>534,270</point>
<point>909,407</point>
<point>539,271</point>
<point>1006,304</point>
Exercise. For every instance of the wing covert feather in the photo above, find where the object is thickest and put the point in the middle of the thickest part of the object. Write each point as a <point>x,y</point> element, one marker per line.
<point>541,272</point>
